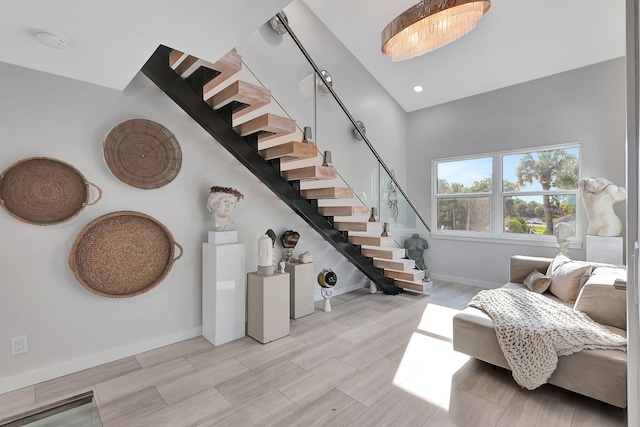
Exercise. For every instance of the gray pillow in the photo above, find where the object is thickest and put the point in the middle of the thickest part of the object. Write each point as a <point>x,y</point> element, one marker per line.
<point>537,282</point>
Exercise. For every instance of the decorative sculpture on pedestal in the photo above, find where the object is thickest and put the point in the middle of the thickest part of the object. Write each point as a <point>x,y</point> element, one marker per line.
<point>562,231</point>
<point>265,256</point>
<point>221,202</point>
<point>289,240</point>
<point>305,257</point>
<point>327,279</point>
<point>599,195</point>
<point>416,247</point>
<point>374,213</point>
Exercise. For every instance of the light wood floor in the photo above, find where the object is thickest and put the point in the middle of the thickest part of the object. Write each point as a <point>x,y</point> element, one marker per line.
<point>373,360</point>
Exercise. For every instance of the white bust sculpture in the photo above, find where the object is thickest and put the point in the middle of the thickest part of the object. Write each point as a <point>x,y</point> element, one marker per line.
<point>599,195</point>
<point>221,202</point>
<point>562,231</point>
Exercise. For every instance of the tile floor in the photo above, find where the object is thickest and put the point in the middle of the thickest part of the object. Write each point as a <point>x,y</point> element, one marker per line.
<point>373,360</point>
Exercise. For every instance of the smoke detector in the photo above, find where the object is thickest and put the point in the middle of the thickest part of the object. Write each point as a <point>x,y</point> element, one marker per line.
<point>56,41</point>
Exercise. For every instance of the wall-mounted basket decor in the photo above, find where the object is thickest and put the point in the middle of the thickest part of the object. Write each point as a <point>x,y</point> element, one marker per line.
<point>142,153</point>
<point>123,254</point>
<point>44,191</point>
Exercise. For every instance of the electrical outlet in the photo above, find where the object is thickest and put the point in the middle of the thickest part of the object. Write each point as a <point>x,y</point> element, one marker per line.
<point>18,345</point>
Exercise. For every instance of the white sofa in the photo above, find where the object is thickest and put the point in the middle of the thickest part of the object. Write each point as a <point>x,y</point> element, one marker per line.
<point>599,374</point>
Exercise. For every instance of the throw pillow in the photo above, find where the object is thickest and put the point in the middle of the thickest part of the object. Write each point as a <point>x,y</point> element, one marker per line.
<point>557,262</point>
<point>568,277</point>
<point>537,282</point>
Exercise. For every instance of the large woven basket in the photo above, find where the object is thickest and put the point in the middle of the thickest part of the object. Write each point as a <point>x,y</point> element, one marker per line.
<point>44,191</point>
<point>123,254</point>
<point>142,153</point>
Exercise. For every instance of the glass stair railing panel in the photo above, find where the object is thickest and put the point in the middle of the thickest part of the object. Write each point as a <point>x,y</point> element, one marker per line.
<point>404,225</point>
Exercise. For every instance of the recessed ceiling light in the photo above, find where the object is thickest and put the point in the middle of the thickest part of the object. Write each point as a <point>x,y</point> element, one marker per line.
<point>56,41</point>
<point>417,88</point>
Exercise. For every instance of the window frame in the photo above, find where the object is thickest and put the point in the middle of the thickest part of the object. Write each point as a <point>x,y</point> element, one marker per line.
<point>496,231</point>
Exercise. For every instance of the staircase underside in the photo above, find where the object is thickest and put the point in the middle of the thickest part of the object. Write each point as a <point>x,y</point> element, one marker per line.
<point>245,149</point>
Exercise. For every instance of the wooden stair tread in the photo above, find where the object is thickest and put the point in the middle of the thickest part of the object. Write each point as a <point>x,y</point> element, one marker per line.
<point>290,150</point>
<point>249,96</point>
<point>268,125</point>
<point>411,276</point>
<point>343,210</point>
<point>339,202</point>
<point>176,57</point>
<point>415,286</point>
<point>227,66</point>
<point>336,182</point>
<point>370,227</point>
<point>310,172</point>
<point>382,252</point>
<point>287,164</point>
<point>395,264</point>
<point>371,240</point>
<point>328,193</point>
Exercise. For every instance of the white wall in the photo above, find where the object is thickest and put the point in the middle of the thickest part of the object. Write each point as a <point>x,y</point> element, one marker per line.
<point>68,327</point>
<point>586,105</point>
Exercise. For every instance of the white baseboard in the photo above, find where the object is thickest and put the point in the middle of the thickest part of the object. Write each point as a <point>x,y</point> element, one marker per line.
<point>466,281</point>
<point>91,360</point>
<point>341,290</point>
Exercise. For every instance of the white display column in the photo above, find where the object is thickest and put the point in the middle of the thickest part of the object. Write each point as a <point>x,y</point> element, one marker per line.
<point>605,249</point>
<point>302,281</point>
<point>224,291</point>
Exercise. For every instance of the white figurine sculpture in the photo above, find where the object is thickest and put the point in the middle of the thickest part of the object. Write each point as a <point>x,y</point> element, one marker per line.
<point>562,231</point>
<point>221,203</point>
<point>599,195</point>
<point>305,257</point>
<point>265,256</point>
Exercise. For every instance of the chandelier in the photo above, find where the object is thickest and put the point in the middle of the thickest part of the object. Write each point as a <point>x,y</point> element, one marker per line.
<point>429,25</point>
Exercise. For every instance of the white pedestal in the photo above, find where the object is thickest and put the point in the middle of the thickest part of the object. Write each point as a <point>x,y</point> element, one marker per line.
<point>224,290</point>
<point>301,283</point>
<point>267,306</point>
<point>223,237</point>
<point>605,249</point>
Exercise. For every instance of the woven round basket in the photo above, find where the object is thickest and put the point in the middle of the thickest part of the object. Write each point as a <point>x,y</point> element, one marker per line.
<point>123,254</point>
<point>142,153</point>
<point>44,191</point>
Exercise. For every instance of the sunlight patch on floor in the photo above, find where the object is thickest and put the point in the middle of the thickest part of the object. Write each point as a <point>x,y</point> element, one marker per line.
<point>435,364</point>
<point>437,321</point>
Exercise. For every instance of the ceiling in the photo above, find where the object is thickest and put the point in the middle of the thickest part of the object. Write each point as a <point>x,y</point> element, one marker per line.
<point>109,41</point>
<point>516,41</point>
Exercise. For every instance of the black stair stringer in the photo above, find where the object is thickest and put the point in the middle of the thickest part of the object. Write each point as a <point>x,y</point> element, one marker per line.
<point>157,69</point>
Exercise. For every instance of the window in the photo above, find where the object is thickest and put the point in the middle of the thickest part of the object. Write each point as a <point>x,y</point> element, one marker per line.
<point>537,190</point>
<point>464,194</point>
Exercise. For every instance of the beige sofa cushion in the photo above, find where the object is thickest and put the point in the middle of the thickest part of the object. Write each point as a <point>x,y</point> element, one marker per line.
<point>601,301</point>
<point>537,282</point>
<point>521,265</point>
<point>567,277</point>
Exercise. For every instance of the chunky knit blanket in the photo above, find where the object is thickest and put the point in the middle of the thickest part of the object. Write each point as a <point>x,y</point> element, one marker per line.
<point>534,330</point>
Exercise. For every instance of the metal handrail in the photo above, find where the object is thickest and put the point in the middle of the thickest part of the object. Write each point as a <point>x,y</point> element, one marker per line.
<point>285,23</point>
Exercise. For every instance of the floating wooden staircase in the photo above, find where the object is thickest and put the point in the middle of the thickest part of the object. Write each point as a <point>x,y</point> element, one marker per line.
<point>267,142</point>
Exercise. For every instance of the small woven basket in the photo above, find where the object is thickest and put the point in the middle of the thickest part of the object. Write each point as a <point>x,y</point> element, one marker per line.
<point>123,254</point>
<point>44,191</point>
<point>142,153</point>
